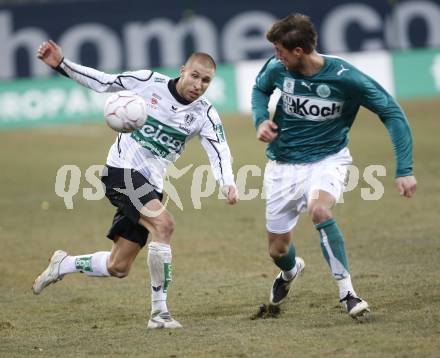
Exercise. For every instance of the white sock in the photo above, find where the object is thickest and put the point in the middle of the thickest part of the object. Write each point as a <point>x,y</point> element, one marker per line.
<point>345,286</point>
<point>91,264</point>
<point>288,275</point>
<point>159,264</point>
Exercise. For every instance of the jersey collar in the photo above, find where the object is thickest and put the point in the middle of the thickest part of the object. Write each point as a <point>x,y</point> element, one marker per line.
<point>320,72</point>
<point>172,87</point>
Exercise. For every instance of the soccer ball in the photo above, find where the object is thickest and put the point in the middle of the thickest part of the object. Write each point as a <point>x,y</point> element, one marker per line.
<point>125,111</point>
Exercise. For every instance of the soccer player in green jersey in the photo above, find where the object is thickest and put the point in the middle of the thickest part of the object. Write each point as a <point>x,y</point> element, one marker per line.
<point>307,147</point>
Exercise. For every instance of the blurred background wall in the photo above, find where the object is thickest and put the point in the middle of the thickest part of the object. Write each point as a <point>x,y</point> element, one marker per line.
<point>396,42</point>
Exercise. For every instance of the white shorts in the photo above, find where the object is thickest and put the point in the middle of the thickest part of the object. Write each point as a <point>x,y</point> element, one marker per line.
<point>289,187</point>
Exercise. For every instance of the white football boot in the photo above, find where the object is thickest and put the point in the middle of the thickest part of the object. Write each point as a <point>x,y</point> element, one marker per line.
<point>51,274</point>
<point>162,320</point>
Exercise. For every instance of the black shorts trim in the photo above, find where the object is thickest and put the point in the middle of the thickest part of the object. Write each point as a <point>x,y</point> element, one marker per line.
<point>125,222</point>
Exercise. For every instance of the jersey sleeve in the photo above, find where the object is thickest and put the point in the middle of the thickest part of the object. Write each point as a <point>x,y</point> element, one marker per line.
<point>261,92</point>
<point>104,82</point>
<point>212,137</point>
<point>378,100</point>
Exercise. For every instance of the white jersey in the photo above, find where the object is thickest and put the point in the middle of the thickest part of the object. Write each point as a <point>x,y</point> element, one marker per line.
<point>171,122</point>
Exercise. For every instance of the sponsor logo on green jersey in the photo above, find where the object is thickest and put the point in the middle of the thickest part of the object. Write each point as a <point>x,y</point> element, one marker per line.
<point>288,85</point>
<point>160,139</point>
<point>314,109</point>
<point>323,91</point>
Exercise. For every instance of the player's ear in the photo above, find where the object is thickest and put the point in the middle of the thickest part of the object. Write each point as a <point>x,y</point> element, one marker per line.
<point>182,70</point>
<point>298,51</point>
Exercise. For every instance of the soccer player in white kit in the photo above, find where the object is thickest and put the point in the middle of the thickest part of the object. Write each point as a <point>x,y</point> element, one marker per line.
<point>135,167</point>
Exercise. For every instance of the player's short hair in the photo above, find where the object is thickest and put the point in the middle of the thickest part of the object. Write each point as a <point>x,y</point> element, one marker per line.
<point>202,57</point>
<point>296,30</point>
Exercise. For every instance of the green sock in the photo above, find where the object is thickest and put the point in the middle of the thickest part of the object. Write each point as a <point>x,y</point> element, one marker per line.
<point>287,261</point>
<point>333,248</point>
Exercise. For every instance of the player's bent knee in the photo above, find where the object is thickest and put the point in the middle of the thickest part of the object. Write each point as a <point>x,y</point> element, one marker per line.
<point>118,274</point>
<point>320,213</point>
<point>275,251</point>
<point>118,270</point>
<point>166,226</point>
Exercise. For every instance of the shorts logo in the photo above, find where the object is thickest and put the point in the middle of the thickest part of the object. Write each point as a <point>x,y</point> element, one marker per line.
<point>323,91</point>
<point>288,85</point>
<point>313,109</point>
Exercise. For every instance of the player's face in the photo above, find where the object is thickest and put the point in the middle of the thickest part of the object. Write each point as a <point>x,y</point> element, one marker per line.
<point>195,78</point>
<point>291,59</point>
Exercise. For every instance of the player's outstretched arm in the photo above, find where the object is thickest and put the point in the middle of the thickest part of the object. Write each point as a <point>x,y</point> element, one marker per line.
<point>50,53</point>
<point>406,185</point>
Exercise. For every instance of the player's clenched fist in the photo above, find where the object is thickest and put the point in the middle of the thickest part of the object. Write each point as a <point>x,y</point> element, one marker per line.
<point>406,185</point>
<point>50,53</point>
<point>267,131</point>
<point>230,192</point>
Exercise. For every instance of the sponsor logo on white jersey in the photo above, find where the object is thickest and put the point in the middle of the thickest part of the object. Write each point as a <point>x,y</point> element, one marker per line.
<point>159,138</point>
<point>218,128</point>
<point>154,101</point>
<point>188,121</point>
<point>314,109</point>
<point>157,134</point>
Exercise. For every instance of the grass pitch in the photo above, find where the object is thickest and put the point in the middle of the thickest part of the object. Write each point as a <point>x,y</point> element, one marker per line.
<point>222,273</point>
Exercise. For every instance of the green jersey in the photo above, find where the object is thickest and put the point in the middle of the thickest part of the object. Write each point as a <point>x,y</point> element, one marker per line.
<point>315,113</point>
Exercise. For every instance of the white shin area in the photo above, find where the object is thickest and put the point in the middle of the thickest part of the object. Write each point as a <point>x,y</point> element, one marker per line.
<point>159,263</point>
<point>91,264</point>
